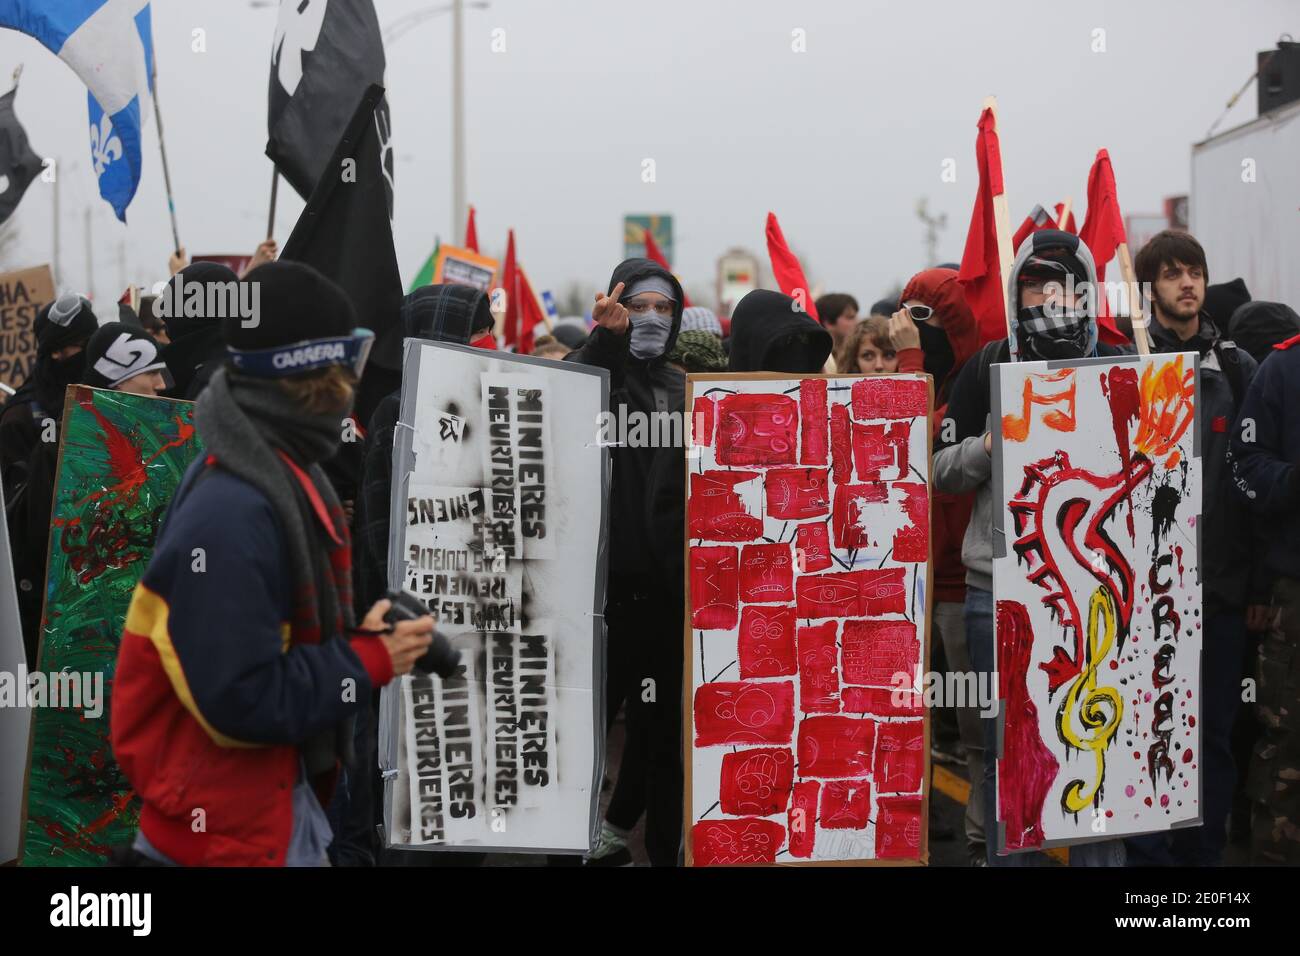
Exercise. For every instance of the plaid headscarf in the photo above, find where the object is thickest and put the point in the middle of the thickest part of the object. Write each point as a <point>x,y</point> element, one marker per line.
<point>446,313</point>
<point>699,351</point>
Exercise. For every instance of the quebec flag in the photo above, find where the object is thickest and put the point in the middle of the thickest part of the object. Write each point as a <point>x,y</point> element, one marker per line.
<point>109,44</point>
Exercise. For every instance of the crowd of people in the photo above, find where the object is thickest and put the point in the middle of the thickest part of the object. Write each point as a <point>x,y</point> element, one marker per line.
<point>235,706</point>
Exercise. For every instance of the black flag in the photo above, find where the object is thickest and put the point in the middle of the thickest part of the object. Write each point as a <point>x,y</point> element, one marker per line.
<point>345,230</point>
<point>325,54</point>
<point>18,164</point>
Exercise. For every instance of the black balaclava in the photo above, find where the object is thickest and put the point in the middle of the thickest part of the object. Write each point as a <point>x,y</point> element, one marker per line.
<point>195,340</point>
<point>768,334</point>
<point>67,321</point>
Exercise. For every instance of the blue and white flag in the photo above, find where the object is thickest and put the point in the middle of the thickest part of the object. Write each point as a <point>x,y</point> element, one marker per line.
<point>109,44</point>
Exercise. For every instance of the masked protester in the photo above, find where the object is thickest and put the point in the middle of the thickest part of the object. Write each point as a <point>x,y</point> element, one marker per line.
<point>124,358</point>
<point>1265,462</point>
<point>29,448</point>
<point>637,322</point>
<point>1234,582</point>
<point>230,689</point>
<point>1258,327</point>
<point>769,333</point>
<point>196,350</point>
<point>1051,323</point>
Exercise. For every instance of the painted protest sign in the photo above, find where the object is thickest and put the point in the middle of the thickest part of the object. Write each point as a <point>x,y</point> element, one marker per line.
<point>807,623</point>
<point>15,720</point>
<point>1097,494</point>
<point>22,295</point>
<point>464,267</point>
<point>502,511</point>
<point>121,459</point>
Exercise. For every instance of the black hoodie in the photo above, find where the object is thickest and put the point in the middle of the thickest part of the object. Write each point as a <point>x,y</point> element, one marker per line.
<point>768,334</point>
<point>1258,326</point>
<point>637,387</point>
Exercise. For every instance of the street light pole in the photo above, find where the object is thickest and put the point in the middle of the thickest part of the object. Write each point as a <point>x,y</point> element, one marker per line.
<point>457,116</point>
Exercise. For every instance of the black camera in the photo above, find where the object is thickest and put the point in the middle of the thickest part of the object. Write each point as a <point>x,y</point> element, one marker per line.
<point>441,658</point>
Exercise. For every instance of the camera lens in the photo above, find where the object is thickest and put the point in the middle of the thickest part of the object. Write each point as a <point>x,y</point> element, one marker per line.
<point>441,658</point>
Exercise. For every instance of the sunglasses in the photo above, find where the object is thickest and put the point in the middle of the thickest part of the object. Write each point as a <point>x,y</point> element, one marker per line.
<point>920,313</point>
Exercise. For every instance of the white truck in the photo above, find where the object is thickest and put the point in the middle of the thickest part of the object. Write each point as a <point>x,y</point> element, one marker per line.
<point>1245,204</point>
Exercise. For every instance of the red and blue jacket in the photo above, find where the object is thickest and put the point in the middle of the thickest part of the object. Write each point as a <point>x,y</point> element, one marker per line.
<point>219,679</point>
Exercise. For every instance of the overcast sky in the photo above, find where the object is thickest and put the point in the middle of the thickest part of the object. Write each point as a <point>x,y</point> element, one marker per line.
<point>840,141</point>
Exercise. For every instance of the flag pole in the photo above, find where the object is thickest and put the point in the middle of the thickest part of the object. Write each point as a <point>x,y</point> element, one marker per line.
<point>162,149</point>
<point>1136,315</point>
<point>270,216</point>
<point>1002,225</point>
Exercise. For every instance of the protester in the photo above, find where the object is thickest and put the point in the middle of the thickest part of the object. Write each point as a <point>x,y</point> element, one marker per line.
<point>30,437</point>
<point>549,347</point>
<point>1050,324</point>
<point>698,351</point>
<point>883,308</point>
<point>196,349</point>
<point>770,333</point>
<point>1224,298</point>
<point>152,322</point>
<point>124,358</point>
<point>877,346</point>
<point>838,314</point>
<point>698,318</point>
<point>570,332</point>
<point>949,336</point>
<point>637,324</point>
<point>1265,461</point>
<point>1259,326</point>
<point>1234,585</point>
<point>226,696</point>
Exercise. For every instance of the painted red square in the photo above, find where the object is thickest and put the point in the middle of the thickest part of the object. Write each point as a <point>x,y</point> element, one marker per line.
<point>850,522</point>
<point>876,651</point>
<point>766,573</point>
<point>813,541</point>
<point>797,493</point>
<point>756,782</point>
<point>890,397</point>
<point>900,757</point>
<point>735,842</point>
<point>880,451</point>
<point>879,702</point>
<point>766,641</point>
<point>803,819</point>
<point>715,588</point>
<point>912,542</point>
<point>835,746</point>
<point>757,430</point>
<point>744,712</point>
<point>898,828</point>
<point>813,421</point>
<point>846,805</point>
<point>703,416</point>
<point>867,593</point>
<point>819,669</point>
<point>841,444</point>
<point>716,511</point>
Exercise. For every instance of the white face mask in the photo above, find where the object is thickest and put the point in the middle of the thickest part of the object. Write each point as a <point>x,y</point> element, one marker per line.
<point>650,333</point>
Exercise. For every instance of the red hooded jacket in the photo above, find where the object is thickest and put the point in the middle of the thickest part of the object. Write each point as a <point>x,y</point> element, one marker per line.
<point>949,514</point>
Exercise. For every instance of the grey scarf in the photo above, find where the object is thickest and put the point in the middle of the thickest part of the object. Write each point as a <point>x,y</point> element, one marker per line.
<point>242,421</point>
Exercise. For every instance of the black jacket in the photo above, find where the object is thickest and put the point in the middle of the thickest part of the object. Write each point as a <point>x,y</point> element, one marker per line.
<point>637,387</point>
<point>1231,547</point>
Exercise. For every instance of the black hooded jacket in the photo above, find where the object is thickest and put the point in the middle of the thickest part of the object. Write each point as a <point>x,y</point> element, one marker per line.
<point>438,313</point>
<point>1258,326</point>
<point>637,387</point>
<point>768,334</point>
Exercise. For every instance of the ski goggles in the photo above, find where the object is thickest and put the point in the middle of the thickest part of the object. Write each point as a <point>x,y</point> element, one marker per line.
<point>305,356</point>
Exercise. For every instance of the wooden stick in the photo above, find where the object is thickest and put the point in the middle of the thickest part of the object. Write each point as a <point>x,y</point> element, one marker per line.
<point>1002,224</point>
<point>275,188</point>
<point>162,150</point>
<point>1065,214</point>
<point>1137,316</point>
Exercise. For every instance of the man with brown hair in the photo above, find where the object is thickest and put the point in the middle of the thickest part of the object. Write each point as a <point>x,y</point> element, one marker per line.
<point>1172,271</point>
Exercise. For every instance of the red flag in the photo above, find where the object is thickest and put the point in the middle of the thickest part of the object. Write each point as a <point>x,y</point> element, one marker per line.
<point>981,272</point>
<point>523,314</point>
<point>471,232</point>
<point>786,268</point>
<point>1040,218</point>
<point>510,283</point>
<point>1102,232</point>
<point>653,253</point>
